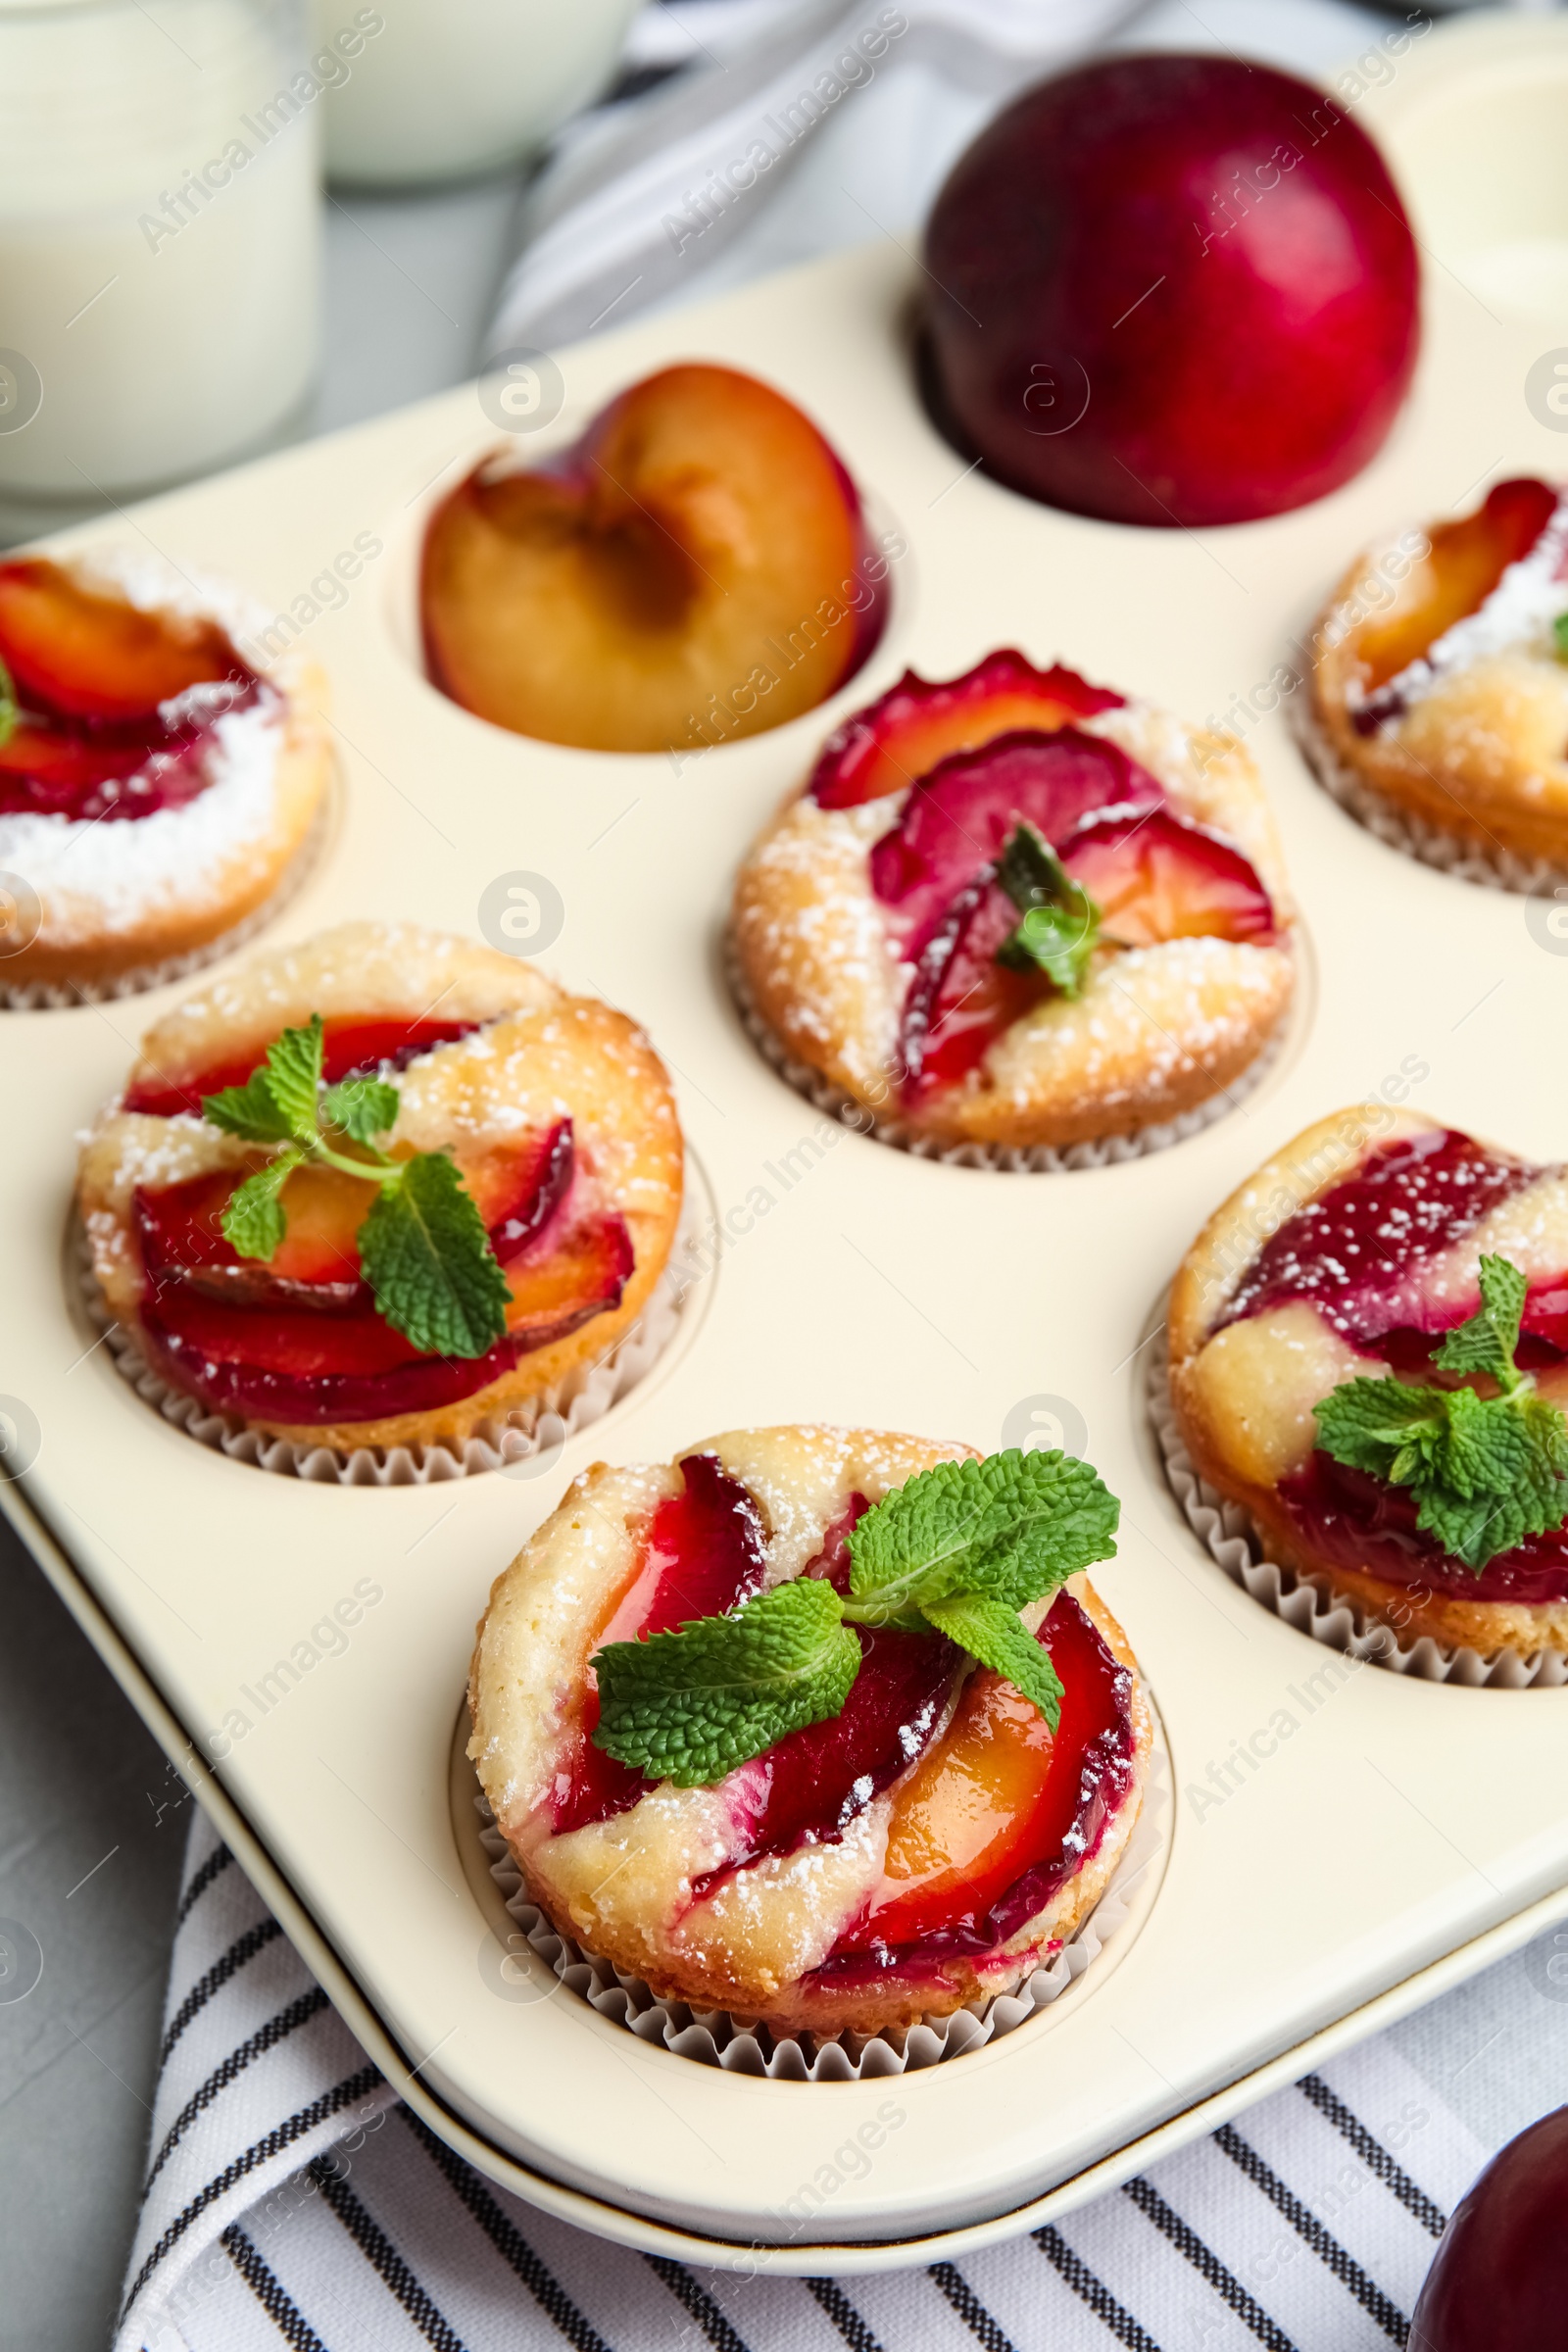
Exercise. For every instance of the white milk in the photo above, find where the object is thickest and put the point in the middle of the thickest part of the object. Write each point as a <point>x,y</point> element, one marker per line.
<point>459,86</point>
<point>159,237</point>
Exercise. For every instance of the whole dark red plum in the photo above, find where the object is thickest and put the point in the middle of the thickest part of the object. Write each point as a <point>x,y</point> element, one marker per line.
<point>1500,2279</point>
<point>1171,290</point>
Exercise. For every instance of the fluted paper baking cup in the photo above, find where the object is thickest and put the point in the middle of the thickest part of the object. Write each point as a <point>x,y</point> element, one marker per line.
<point>1310,1603</point>
<point>1401,829</point>
<point>537,1427</point>
<point>60,995</point>
<point>743,2046</point>
<point>1038,1159</point>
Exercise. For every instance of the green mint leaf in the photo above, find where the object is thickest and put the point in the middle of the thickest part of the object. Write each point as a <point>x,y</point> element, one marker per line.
<point>1060,924</point>
<point>957,1549</point>
<point>424,1248</point>
<point>1030,871</point>
<point>1512,1453</point>
<point>364,1107</point>
<point>998,1638</point>
<point>425,1253</point>
<point>251,1110</point>
<point>1487,1343</point>
<point>1559,631</point>
<point>691,1705</point>
<point>1052,940</point>
<point>278,1102</point>
<point>1482,1451</point>
<point>294,1076</point>
<point>9,714</point>
<point>1471,1529</point>
<point>253,1221</point>
<point>1464,1527</point>
<point>1485,1471</point>
<point>1371,1425</point>
<point>1013,1528</point>
<point>1548,1432</point>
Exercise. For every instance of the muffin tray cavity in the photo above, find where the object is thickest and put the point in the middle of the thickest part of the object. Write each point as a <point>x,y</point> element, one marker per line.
<point>1337,1841</point>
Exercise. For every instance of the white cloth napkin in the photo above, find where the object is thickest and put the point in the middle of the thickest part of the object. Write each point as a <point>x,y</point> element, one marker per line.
<point>291,2197</point>
<point>803,126</point>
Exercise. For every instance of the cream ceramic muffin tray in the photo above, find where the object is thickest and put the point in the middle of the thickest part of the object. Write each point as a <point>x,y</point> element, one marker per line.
<point>1341,1842</point>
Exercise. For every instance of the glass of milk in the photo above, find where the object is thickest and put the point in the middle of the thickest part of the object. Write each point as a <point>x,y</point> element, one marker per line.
<point>160,234</point>
<point>454,87</point>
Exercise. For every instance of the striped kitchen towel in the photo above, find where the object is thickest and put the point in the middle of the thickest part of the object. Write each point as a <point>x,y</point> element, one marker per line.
<point>672,193</point>
<point>292,2200</point>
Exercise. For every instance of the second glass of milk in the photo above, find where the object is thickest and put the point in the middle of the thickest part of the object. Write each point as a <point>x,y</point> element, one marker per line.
<point>160,235</point>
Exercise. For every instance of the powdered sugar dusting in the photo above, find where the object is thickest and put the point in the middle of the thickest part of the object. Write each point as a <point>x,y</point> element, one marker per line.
<point>99,878</point>
<point>1157,739</point>
<point>1145,1021</point>
<point>103,880</point>
<point>816,940</point>
<point>128,1148</point>
<point>1518,615</point>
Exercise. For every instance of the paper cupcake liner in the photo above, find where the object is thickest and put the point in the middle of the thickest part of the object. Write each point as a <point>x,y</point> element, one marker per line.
<point>1401,829</point>
<point>60,995</point>
<point>743,2046</point>
<point>1039,1159</point>
<point>537,1427</point>
<point>1310,1603</point>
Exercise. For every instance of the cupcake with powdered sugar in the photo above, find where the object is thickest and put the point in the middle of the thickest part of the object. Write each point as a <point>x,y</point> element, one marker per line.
<point>1013,914</point>
<point>159,787</point>
<point>1438,709</point>
<point>822,1728</point>
<point>383,1191</point>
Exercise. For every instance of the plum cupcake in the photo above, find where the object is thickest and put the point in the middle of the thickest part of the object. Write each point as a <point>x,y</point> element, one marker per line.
<point>821,1728</point>
<point>1018,914</point>
<point>1369,1358</point>
<point>383,1191</point>
<point>159,789</point>
<point>1438,709</point>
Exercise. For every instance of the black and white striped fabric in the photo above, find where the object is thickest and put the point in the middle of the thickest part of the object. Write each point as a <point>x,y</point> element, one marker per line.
<point>292,2200</point>
<point>748,134</point>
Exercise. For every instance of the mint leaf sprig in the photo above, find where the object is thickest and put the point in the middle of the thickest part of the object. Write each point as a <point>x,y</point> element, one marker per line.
<point>959,1550</point>
<point>1061,927</point>
<point>9,710</point>
<point>691,1705</point>
<point>1486,1471</point>
<point>424,1248</point>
